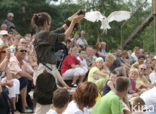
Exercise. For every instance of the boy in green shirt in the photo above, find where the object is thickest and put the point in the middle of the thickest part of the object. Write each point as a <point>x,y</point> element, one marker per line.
<point>111,102</point>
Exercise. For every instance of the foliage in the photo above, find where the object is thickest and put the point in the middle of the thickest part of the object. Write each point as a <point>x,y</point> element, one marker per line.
<point>24,10</point>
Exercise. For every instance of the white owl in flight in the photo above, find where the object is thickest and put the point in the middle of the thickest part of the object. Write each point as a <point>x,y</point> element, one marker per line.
<point>118,16</point>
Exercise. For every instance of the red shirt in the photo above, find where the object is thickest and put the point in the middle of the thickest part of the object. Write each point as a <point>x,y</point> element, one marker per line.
<point>67,62</point>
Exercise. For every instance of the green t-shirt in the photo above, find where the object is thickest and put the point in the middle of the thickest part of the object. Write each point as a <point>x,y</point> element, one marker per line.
<point>108,104</point>
<point>92,77</point>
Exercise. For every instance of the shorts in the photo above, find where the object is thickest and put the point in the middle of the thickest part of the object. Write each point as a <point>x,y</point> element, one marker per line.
<point>13,91</point>
<point>23,82</point>
<point>69,74</point>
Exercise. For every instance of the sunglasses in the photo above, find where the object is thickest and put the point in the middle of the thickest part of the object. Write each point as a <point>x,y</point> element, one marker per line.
<point>143,68</point>
<point>23,51</point>
<point>3,51</point>
<point>23,42</point>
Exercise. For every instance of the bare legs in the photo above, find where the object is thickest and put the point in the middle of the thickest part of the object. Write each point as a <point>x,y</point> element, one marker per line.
<point>81,78</point>
<point>75,78</point>
<point>23,93</point>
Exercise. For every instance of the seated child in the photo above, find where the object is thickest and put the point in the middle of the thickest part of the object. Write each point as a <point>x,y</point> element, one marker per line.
<point>133,91</point>
<point>133,75</point>
<point>110,83</point>
<point>60,101</point>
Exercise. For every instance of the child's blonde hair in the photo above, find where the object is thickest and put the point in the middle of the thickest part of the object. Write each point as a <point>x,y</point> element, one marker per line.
<point>134,70</point>
<point>110,57</point>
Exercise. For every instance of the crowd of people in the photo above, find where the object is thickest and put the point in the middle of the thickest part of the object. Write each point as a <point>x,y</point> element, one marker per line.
<point>119,82</point>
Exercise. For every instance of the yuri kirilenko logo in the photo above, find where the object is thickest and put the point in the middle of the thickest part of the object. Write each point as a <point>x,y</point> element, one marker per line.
<point>142,108</point>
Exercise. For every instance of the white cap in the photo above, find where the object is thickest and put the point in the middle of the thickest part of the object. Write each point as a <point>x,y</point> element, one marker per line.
<point>154,57</point>
<point>10,14</point>
<point>3,32</point>
<point>99,59</point>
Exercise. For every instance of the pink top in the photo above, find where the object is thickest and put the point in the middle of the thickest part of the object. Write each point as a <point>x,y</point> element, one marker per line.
<point>15,67</point>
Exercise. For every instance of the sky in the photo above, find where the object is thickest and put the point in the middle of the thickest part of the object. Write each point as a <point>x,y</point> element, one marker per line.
<point>74,1</point>
<point>58,2</point>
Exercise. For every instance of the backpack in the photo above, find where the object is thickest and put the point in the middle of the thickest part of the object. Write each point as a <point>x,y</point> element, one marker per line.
<point>45,86</point>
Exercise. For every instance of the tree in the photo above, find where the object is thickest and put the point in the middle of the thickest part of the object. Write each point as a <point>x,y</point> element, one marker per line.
<point>24,10</point>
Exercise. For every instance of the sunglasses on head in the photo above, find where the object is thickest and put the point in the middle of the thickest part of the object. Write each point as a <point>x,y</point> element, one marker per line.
<point>3,51</point>
<point>23,51</point>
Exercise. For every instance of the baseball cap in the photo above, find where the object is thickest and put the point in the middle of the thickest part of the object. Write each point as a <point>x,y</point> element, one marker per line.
<point>3,32</point>
<point>10,14</point>
<point>99,59</point>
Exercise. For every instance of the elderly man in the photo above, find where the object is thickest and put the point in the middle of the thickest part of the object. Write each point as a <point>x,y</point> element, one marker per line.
<point>23,72</point>
<point>81,41</point>
<point>9,23</point>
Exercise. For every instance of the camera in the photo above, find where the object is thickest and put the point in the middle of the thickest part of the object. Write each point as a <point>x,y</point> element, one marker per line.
<point>12,49</point>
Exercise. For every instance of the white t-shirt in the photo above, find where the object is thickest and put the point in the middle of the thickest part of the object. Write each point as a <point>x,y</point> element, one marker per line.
<point>149,98</point>
<point>81,41</point>
<point>152,77</point>
<point>134,56</point>
<point>51,111</point>
<point>83,61</point>
<point>74,109</point>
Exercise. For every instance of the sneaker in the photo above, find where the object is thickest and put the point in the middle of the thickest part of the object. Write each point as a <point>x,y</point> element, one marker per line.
<point>74,85</point>
<point>27,110</point>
